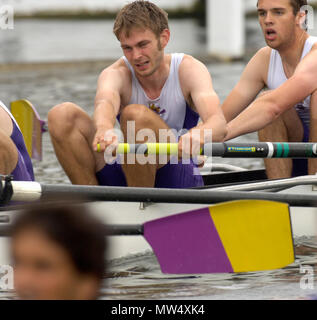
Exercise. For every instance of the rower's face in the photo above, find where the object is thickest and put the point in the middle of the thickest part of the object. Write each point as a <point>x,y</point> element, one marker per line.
<point>44,270</point>
<point>278,22</point>
<point>144,51</point>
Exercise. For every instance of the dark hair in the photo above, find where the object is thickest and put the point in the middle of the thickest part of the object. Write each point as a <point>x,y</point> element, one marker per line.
<point>296,4</point>
<point>73,228</point>
<point>141,14</point>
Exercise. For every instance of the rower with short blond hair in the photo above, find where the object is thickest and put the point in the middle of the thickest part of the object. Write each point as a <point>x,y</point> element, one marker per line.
<point>155,91</point>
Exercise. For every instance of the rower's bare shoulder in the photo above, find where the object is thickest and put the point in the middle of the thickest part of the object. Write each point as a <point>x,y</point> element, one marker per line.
<point>118,70</point>
<point>116,76</point>
<point>262,57</point>
<point>257,67</point>
<point>191,69</point>
<point>191,62</point>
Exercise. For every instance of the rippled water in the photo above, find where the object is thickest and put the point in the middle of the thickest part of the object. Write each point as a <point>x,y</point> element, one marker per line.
<point>139,277</point>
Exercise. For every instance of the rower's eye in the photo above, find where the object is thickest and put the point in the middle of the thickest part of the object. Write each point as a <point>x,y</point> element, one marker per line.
<point>261,13</point>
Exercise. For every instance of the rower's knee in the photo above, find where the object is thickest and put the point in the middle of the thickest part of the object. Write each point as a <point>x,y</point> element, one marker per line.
<point>275,131</point>
<point>61,119</point>
<point>134,112</point>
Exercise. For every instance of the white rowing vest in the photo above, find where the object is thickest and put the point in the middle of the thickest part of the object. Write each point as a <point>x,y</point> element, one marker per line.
<point>276,77</point>
<point>171,105</point>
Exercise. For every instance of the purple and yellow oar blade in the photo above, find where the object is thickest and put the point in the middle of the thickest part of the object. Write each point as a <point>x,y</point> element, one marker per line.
<point>238,236</point>
<point>30,125</point>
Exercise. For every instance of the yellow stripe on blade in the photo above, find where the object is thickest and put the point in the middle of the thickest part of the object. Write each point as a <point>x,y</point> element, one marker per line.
<point>256,234</point>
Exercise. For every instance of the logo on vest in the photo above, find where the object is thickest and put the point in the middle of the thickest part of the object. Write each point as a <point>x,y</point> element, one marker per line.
<point>156,109</point>
<point>300,107</point>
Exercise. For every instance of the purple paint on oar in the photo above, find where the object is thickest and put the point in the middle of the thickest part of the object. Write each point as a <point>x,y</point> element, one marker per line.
<point>187,243</point>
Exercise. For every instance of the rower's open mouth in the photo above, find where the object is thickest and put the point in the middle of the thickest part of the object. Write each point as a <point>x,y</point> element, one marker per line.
<point>142,64</point>
<point>270,32</point>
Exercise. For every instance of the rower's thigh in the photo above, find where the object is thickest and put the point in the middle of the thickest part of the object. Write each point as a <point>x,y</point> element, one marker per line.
<point>288,128</point>
<point>149,127</point>
<point>68,117</point>
<point>8,153</point>
<point>293,125</point>
<point>291,121</point>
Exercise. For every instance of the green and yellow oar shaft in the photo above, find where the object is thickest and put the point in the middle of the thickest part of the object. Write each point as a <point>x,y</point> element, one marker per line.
<point>228,150</point>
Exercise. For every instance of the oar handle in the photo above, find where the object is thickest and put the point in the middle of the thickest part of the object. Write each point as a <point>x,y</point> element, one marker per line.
<point>229,150</point>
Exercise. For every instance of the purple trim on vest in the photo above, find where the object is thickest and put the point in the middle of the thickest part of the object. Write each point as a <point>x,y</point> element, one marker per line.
<point>191,118</point>
<point>24,169</point>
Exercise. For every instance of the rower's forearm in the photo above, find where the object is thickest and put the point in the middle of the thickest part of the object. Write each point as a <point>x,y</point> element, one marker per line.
<point>253,119</point>
<point>217,126</point>
<point>104,116</point>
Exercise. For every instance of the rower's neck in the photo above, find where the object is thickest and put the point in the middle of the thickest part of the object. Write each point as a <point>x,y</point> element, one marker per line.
<point>154,83</point>
<point>291,55</point>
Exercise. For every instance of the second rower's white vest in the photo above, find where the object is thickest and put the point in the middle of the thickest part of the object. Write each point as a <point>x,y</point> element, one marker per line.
<point>276,77</point>
<point>171,104</point>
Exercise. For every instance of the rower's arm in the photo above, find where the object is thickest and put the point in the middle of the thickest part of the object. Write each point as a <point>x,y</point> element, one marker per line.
<point>197,84</point>
<point>107,100</point>
<point>269,107</point>
<point>250,84</point>
<point>312,163</point>
<point>107,104</point>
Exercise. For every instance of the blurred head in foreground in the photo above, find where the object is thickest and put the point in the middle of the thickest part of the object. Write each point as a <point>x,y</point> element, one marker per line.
<point>58,253</point>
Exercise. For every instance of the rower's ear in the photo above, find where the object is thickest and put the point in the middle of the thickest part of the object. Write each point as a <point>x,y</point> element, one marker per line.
<point>301,19</point>
<point>164,38</point>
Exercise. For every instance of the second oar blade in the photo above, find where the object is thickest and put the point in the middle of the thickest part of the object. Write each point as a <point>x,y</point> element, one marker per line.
<point>31,126</point>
